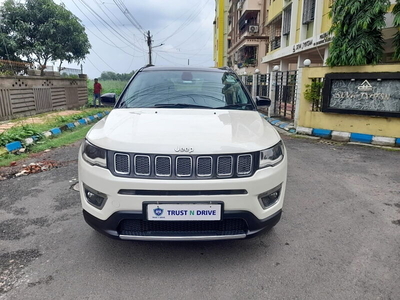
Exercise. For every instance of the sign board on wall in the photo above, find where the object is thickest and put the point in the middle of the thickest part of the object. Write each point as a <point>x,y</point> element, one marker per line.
<point>362,93</point>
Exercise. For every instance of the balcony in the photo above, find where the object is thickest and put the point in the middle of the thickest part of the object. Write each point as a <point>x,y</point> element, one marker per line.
<point>275,43</point>
<point>249,5</point>
<point>246,57</point>
<point>250,30</point>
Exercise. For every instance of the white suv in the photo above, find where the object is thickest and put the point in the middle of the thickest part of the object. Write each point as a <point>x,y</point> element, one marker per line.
<point>184,155</point>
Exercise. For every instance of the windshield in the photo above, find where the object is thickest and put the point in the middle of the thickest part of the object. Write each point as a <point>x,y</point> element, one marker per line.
<point>182,89</point>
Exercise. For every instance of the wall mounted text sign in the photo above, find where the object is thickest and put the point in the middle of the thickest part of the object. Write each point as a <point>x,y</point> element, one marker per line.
<point>362,93</point>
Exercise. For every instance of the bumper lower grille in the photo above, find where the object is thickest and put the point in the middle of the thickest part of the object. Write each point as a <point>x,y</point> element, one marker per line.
<point>182,228</point>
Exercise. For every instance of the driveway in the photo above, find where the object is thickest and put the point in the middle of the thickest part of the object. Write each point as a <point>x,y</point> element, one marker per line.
<point>339,238</point>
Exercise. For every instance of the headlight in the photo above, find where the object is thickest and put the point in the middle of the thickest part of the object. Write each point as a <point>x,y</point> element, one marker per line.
<point>94,155</point>
<point>272,156</point>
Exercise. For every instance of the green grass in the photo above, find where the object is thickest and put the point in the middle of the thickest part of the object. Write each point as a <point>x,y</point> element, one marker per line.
<point>109,86</point>
<point>65,138</point>
<point>25,129</point>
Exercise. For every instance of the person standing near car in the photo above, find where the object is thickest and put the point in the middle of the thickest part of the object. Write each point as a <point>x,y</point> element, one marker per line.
<point>96,92</point>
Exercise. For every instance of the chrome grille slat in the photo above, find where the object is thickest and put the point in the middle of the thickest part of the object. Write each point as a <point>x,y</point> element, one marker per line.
<point>224,165</point>
<point>142,165</point>
<point>204,166</point>
<point>163,166</point>
<point>244,164</point>
<point>184,166</point>
<point>122,163</point>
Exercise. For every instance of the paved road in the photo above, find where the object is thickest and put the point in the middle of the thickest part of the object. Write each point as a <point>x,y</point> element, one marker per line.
<point>339,239</point>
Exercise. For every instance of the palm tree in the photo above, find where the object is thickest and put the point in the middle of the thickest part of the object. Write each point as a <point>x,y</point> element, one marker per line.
<point>357,25</point>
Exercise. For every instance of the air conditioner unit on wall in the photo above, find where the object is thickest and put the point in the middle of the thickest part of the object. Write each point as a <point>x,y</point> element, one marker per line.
<point>253,28</point>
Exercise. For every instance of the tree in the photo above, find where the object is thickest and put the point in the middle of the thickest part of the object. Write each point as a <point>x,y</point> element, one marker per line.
<point>108,75</point>
<point>396,23</point>
<point>357,28</point>
<point>44,31</point>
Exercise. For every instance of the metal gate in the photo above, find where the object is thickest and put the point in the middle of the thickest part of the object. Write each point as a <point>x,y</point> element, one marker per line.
<point>285,94</point>
<point>263,85</point>
<point>248,82</point>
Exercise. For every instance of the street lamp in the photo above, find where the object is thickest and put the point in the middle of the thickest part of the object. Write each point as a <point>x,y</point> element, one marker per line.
<point>276,68</point>
<point>256,71</point>
<point>307,62</point>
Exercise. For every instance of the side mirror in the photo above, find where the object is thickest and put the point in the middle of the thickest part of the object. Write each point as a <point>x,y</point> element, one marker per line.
<point>263,101</point>
<point>108,99</point>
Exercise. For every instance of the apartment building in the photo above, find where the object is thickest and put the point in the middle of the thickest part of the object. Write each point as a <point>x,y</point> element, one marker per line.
<point>220,33</point>
<point>239,30</point>
<point>299,31</point>
<point>278,34</point>
<point>247,37</point>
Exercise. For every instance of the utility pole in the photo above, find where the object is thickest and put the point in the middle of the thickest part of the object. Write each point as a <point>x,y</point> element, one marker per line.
<point>149,44</point>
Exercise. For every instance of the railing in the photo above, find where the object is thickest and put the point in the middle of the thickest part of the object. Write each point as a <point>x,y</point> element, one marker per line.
<point>9,67</point>
<point>275,43</point>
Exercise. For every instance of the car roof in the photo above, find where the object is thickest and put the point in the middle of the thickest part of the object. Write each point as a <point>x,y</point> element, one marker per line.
<point>156,68</point>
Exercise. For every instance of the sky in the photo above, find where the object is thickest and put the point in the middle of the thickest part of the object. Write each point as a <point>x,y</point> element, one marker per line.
<point>116,31</point>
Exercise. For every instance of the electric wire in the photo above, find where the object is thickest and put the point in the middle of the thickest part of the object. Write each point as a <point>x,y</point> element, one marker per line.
<point>122,24</point>
<point>119,35</point>
<point>104,61</point>
<point>129,16</point>
<point>113,44</point>
<point>93,64</point>
<point>188,21</point>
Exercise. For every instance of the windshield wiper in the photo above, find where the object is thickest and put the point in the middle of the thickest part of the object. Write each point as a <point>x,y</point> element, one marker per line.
<point>179,105</point>
<point>238,105</point>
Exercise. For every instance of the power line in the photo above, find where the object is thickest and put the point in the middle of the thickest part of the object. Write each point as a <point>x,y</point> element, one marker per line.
<point>119,35</point>
<point>104,61</point>
<point>117,18</point>
<point>129,16</point>
<point>113,44</point>
<point>177,19</point>
<point>189,20</point>
<point>93,64</point>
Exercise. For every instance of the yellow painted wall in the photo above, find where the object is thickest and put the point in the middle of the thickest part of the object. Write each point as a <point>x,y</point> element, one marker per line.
<point>299,24</point>
<point>221,29</point>
<point>326,21</point>
<point>375,125</point>
<point>275,9</point>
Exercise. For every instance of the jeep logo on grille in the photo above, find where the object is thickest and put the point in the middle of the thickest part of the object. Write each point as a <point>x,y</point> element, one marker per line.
<point>184,149</point>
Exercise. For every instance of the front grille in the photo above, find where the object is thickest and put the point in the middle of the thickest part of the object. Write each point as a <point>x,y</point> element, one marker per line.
<point>182,228</point>
<point>224,166</point>
<point>122,163</point>
<point>163,166</point>
<point>142,165</point>
<point>244,164</point>
<point>204,166</point>
<point>182,166</point>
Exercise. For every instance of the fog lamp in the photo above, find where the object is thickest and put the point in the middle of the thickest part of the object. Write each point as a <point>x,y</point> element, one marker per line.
<point>95,198</point>
<point>270,197</point>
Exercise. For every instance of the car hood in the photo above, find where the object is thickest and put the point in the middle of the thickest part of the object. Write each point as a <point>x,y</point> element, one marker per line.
<point>198,131</point>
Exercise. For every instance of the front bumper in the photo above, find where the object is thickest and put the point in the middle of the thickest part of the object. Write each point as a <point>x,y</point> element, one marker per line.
<point>112,227</point>
<point>243,214</point>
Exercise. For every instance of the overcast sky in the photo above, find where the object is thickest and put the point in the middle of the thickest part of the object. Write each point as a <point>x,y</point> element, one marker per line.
<point>185,27</point>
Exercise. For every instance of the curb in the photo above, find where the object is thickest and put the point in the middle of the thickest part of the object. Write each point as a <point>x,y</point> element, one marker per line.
<point>352,137</point>
<point>17,145</point>
<point>338,136</point>
<point>281,124</point>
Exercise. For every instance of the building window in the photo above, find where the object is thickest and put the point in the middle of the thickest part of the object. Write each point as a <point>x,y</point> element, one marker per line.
<point>287,15</point>
<point>308,11</point>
